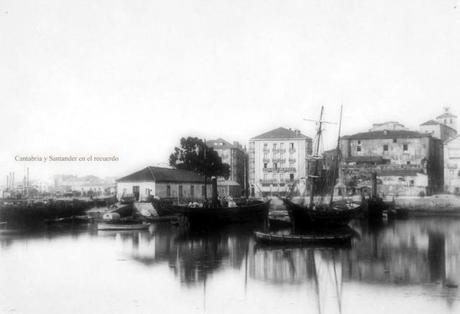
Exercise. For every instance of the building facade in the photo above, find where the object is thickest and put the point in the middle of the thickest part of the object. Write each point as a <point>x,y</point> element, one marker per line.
<point>180,186</point>
<point>276,159</point>
<point>406,162</point>
<point>444,127</point>
<point>235,156</point>
<point>452,165</point>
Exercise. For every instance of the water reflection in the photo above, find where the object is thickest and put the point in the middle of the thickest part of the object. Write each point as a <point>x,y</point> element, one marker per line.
<point>422,256</point>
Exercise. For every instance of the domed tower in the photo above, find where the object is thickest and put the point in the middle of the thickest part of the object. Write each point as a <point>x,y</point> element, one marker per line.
<point>447,118</point>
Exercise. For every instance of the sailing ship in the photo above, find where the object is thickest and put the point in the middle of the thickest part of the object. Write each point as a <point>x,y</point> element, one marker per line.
<point>321,214</point>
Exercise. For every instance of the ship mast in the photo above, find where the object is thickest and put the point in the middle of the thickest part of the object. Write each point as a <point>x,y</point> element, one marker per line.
<point>316,157</point>
<point>337,162</point>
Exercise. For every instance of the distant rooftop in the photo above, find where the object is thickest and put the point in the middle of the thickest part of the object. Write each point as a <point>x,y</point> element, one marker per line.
<point>386,134</point>
<point>281,133</point>
<point>446,114</point>
<point>221,143</point>
<point>159,174</point>
<point>430,122</point>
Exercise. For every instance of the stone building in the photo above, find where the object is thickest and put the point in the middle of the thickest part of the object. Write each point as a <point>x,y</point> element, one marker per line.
<point>452,165</point>
<point>406,162</point>
<point>181,186</point>
<point>444,127</point>
<point>235,156</point>
<point>276,159</point>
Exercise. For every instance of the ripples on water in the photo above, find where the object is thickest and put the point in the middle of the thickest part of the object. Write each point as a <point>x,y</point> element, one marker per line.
<point>405,267</point>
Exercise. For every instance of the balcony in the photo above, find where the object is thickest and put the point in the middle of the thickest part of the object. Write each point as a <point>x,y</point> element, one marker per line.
<point>275,182</point>
<point>281,169</point>
<point>292,150</point>
<point>292,160</point>
<point>280,160</point>
<point>266,150</point>
<point>266,160</point>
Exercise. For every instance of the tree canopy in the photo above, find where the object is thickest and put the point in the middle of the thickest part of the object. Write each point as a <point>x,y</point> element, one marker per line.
<point>193,154</point>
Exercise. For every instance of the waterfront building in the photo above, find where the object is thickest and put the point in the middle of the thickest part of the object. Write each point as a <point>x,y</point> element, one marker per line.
<point>235,156</point>
<point>452,165</point>
<point>444,127</point>
<point>277,159</point>
<point>407,162</point>
<point>180,186</point>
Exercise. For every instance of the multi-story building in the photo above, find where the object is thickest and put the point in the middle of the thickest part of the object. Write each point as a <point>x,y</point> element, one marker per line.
<point>406,162</point>
<point>444,127</point>
<point>276,159</point>
<point>452,165</point>
<point>235,156</point>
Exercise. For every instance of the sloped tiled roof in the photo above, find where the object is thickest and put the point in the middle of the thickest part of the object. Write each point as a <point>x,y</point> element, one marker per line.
<point>159,174</point>
<point>280,133</point>
<point>399,172</point>
<point>430,122</point>
<point>386,134</point>
<point>446,115</point>
<point>366,159</point>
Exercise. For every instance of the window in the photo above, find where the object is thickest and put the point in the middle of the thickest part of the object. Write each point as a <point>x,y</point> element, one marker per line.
<point>385,148</point>
<point>281,145</point>
<point>180,191</point>
<point>408,162</point>
<point>275,165</point>
<point>265,165</point>
<point>192,191</point>
<point>291,145</point>
<point>291,176</point>
<point>168,190</point>
<point>358,148</point>
<point>203,190</point>
<point>359,142</point>
<point>395,140</point>
<point>411,182</point>
<point>405,146</point>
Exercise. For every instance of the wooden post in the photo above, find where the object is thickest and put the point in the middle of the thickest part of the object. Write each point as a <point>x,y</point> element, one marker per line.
<point>214,192</point>
<point>374,184</point>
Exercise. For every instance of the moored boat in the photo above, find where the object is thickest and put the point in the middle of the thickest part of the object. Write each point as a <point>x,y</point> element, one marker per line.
<point>252,211</point>
<point>122,226</point>
<point>313,238</point>
<point>327,215</point>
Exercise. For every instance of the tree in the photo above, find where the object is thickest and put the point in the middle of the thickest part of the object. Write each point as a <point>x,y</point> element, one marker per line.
<point>193,154</point>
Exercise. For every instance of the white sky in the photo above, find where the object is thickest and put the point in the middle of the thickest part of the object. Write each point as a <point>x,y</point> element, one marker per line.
<point>129,78</point>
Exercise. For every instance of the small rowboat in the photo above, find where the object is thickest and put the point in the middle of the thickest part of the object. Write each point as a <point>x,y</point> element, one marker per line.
<point>269,238</point>
<point>122,226</point>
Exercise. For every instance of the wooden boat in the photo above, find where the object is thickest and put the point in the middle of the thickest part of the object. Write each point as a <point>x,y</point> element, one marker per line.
<point>122,226</point>
<point>313,238</point>
<point>330,214</point>
<point>252,211</point>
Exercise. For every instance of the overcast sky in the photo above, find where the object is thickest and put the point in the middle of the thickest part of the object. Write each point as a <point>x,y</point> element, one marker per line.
<point>129,78</point>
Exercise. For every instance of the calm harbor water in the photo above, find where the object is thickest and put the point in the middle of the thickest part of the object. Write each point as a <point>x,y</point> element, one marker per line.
<point>405,267</point>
